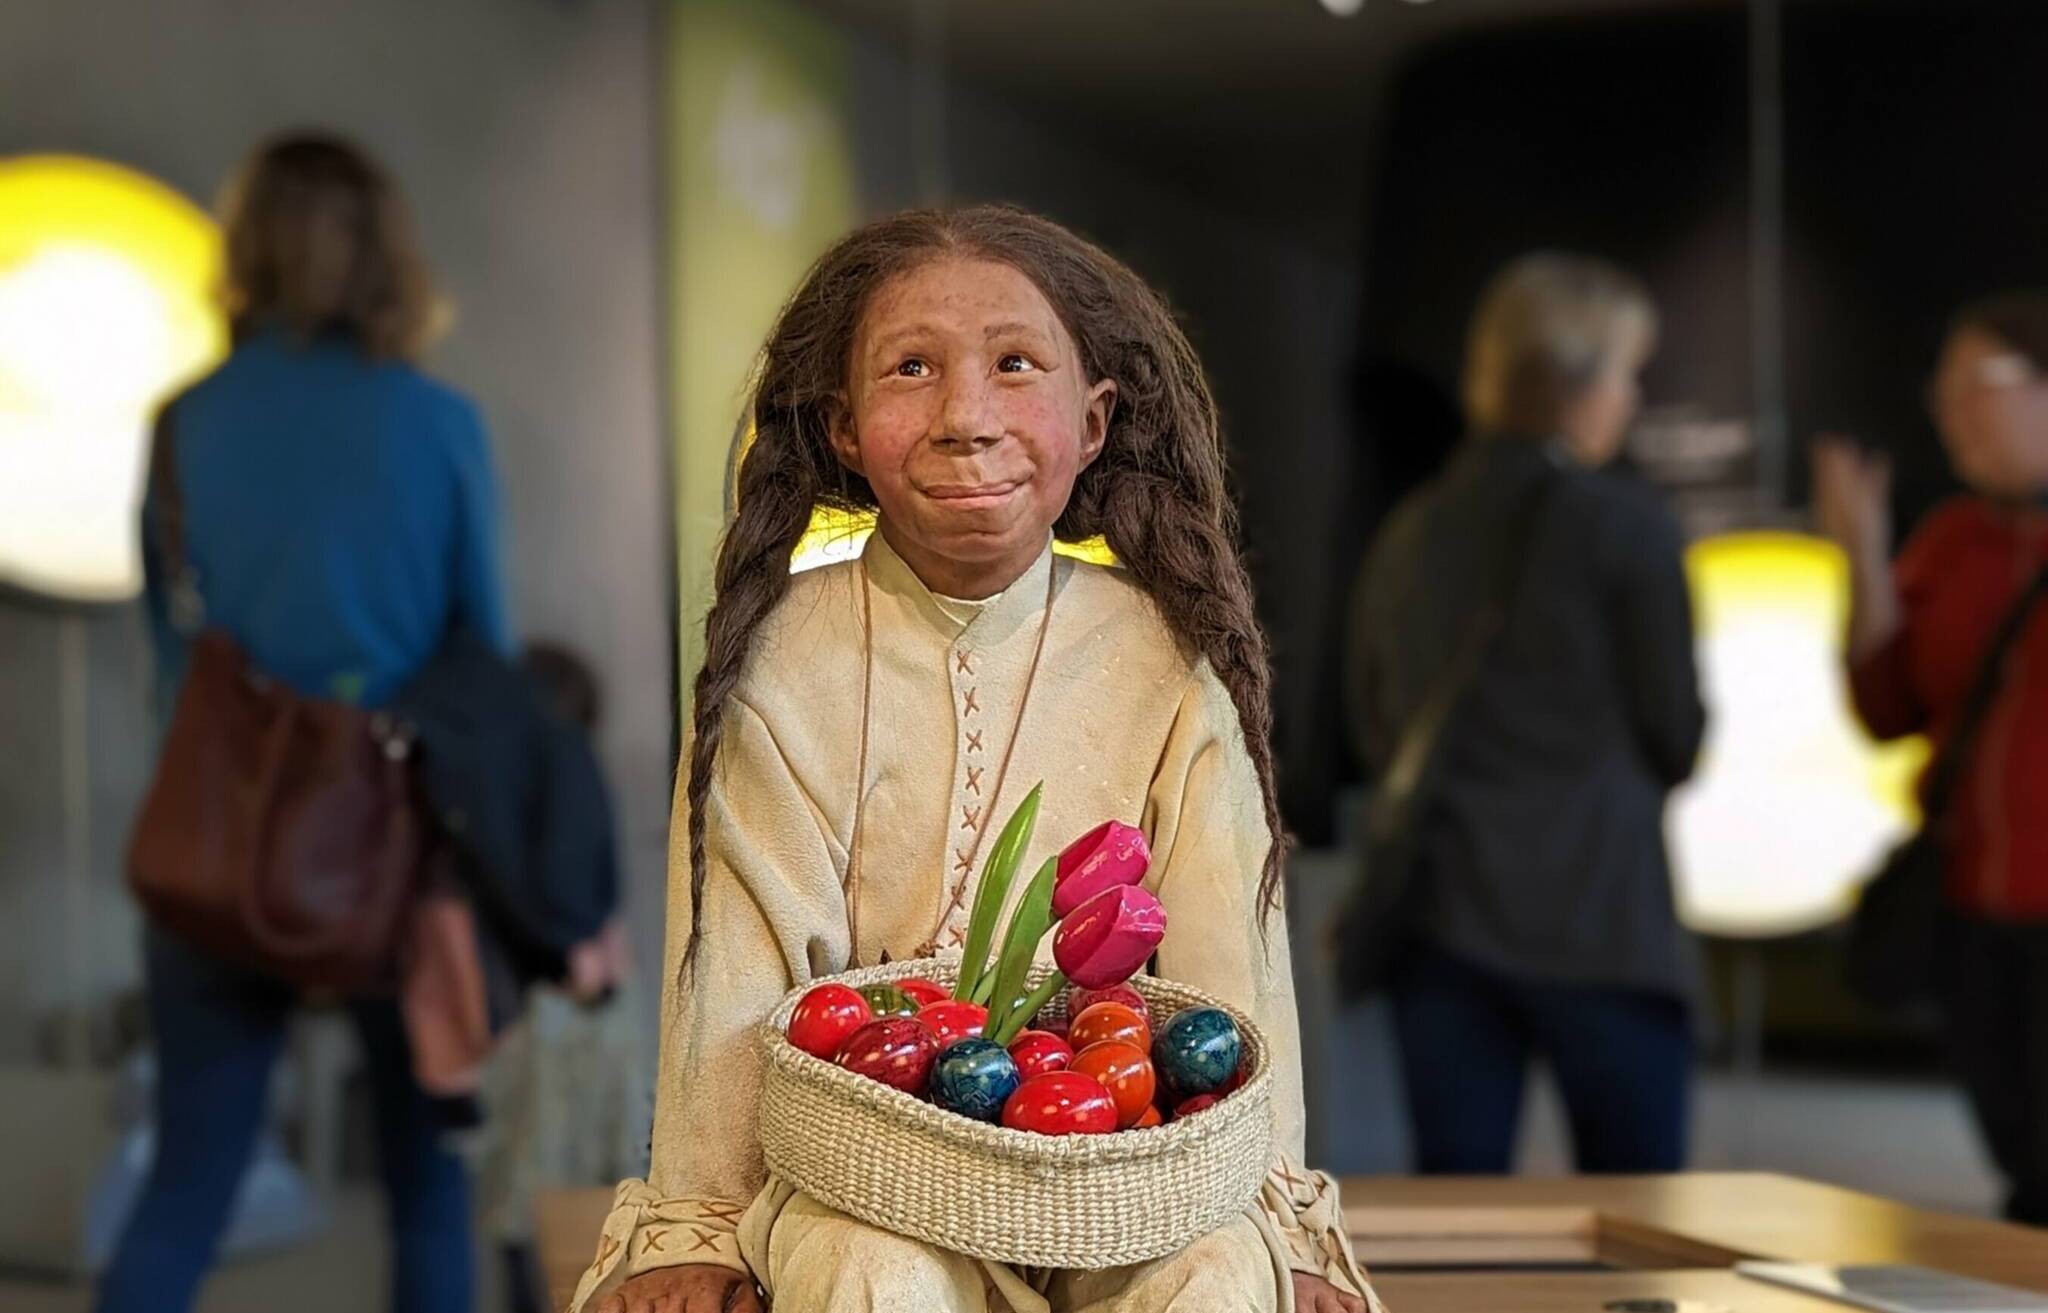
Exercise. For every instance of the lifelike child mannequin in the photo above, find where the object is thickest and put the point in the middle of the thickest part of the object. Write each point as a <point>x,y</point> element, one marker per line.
<point>982,379</point>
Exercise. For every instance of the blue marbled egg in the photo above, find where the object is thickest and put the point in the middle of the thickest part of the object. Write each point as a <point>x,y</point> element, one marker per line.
<point>1196,1052</point>
<point>974,1077</point>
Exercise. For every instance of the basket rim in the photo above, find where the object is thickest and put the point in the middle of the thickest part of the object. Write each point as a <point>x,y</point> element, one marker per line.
<point>1052,1151</point>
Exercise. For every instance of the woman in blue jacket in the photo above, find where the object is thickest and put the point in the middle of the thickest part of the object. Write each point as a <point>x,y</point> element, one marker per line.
<point>341,516</point>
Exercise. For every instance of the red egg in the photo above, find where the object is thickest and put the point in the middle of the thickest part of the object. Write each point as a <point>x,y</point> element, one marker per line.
<point>897,1051</point>
<point>1108,1021</point>
<point>923,991</point>
<point>1061,1103</point>
<point>1189,1107</point>
<point>1123,1070</point>
<point>953,1019</point>
<point>824,1017</point>
<point>1148,1119</point>
<point>1038,1051</point>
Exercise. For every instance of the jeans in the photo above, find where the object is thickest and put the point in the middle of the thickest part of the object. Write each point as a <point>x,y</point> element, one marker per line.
<point>218,1031</point>
<point>1623,1061</point>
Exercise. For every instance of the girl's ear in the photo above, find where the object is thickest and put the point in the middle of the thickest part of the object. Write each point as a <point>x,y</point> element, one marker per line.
<point>840,432</point>
<point>1095,420</point>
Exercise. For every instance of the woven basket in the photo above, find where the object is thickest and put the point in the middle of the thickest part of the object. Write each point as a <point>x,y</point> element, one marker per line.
<point>1076,1201</point>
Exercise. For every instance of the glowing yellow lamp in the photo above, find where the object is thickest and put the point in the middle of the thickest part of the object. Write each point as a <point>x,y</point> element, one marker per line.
<point>1793,804</point>
<point>107,282</point>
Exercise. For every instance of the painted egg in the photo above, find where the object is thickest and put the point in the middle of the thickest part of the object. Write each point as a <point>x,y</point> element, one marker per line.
<point>1079,1000</point>
<point>1123,1070</point>
<point>1061,1103</point>
<point>1148,1119</point>
<point>974,1077</point>
<point>1189,1107</point>
<point>1197,1051</point>
<point>953,1019</point>
<point>923,992</point>
<point>889,1001</point>
<point>1108,1021</point>
<point>1040,1051</point>
<point>897,1051</point>
<point>824,1017</point>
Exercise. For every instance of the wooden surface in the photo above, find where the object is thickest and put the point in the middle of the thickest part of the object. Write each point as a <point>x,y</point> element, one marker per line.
<point>1674,1237</point>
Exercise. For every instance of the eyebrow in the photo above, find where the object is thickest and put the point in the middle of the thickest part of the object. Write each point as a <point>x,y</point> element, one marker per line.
<point>1010,326</point>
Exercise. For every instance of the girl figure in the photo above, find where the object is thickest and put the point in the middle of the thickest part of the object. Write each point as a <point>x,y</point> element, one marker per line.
<point>982,379</point>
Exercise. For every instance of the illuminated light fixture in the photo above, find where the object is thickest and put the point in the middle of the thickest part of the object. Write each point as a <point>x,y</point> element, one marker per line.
<point>1343,8</point>
<point>107,281</point>
<point>1793,805</point>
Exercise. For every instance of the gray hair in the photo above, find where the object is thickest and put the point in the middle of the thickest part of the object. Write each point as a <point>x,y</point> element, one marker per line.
<point>1545,328</point>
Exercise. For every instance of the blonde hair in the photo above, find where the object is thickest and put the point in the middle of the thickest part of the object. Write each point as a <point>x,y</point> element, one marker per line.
<point>1545,328</point>
<point>385,301</point>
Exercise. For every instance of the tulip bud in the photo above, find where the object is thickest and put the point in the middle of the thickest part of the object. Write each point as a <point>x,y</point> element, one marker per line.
<point>1110,855</point>
<point>1109,937</point>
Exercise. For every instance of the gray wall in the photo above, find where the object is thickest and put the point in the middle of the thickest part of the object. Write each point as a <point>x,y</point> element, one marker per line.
<point>524,131</point>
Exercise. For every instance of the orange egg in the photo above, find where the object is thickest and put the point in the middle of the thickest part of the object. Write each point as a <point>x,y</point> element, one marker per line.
<point>1125,1071</point>
<point>1101,1022</point>
<point>1149,1118</point>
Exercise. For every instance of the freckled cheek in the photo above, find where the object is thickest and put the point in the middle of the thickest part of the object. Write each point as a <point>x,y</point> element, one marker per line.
<point>1048,430</point>
<point>890,431</point>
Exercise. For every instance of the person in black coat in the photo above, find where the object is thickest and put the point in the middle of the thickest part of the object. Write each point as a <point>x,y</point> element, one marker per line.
<point>1540,919</point>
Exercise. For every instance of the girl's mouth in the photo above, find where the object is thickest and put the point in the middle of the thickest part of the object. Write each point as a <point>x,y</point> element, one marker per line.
<point>973,496</point>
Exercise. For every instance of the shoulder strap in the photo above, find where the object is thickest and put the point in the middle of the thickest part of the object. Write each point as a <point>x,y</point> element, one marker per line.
<point>182,600</point>
<point>1947,773</point>
<point>1416,749</point>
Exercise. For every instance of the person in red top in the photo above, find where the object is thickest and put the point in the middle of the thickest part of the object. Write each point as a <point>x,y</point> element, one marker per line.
<point>1919,629</point>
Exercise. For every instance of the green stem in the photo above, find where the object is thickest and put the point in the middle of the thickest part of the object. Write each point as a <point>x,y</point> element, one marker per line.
<point>994,890</point>
<point>1020,1017</point>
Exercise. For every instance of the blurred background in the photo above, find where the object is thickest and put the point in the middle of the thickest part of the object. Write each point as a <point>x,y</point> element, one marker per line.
<point>617,195</point>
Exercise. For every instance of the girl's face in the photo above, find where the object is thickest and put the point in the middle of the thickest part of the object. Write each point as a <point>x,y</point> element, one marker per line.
<point>968,412</point>
<point>1992,408</point>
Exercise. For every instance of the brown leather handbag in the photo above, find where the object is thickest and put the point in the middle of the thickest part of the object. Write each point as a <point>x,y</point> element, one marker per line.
<point>280,831</point>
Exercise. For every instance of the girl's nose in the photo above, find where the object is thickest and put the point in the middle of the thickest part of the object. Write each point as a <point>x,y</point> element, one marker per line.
<point>968,417</point>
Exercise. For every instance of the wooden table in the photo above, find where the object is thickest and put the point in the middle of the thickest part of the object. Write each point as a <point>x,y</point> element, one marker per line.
<point>1575,1244</point>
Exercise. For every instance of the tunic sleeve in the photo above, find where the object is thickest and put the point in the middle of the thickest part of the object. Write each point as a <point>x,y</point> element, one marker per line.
<point>1206,819</point>
<point>774,916</point>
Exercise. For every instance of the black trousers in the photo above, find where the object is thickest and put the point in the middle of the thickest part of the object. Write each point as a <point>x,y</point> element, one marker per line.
<point>1996,996</point>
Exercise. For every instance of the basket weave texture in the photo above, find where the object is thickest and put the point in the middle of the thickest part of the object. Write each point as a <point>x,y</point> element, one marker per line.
<point>1076,1201</point>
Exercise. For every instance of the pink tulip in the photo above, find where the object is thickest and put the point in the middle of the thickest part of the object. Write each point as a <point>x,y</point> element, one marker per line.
<point>1109,855</point>
<point>1109,937</point>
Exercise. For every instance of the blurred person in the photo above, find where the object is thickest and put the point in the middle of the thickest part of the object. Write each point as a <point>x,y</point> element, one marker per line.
<point>1537,915</point>
<point>562,1084</point>
<point>340,510</point>
<point>1920,629</point>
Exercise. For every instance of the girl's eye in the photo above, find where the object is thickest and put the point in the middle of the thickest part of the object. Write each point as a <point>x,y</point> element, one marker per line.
<point>913,368</point>
<point>1015,363</point>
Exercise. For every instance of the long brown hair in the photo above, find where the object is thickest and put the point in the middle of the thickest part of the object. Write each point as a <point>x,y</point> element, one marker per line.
<point>298,205</point>
<point>1157,493</point>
